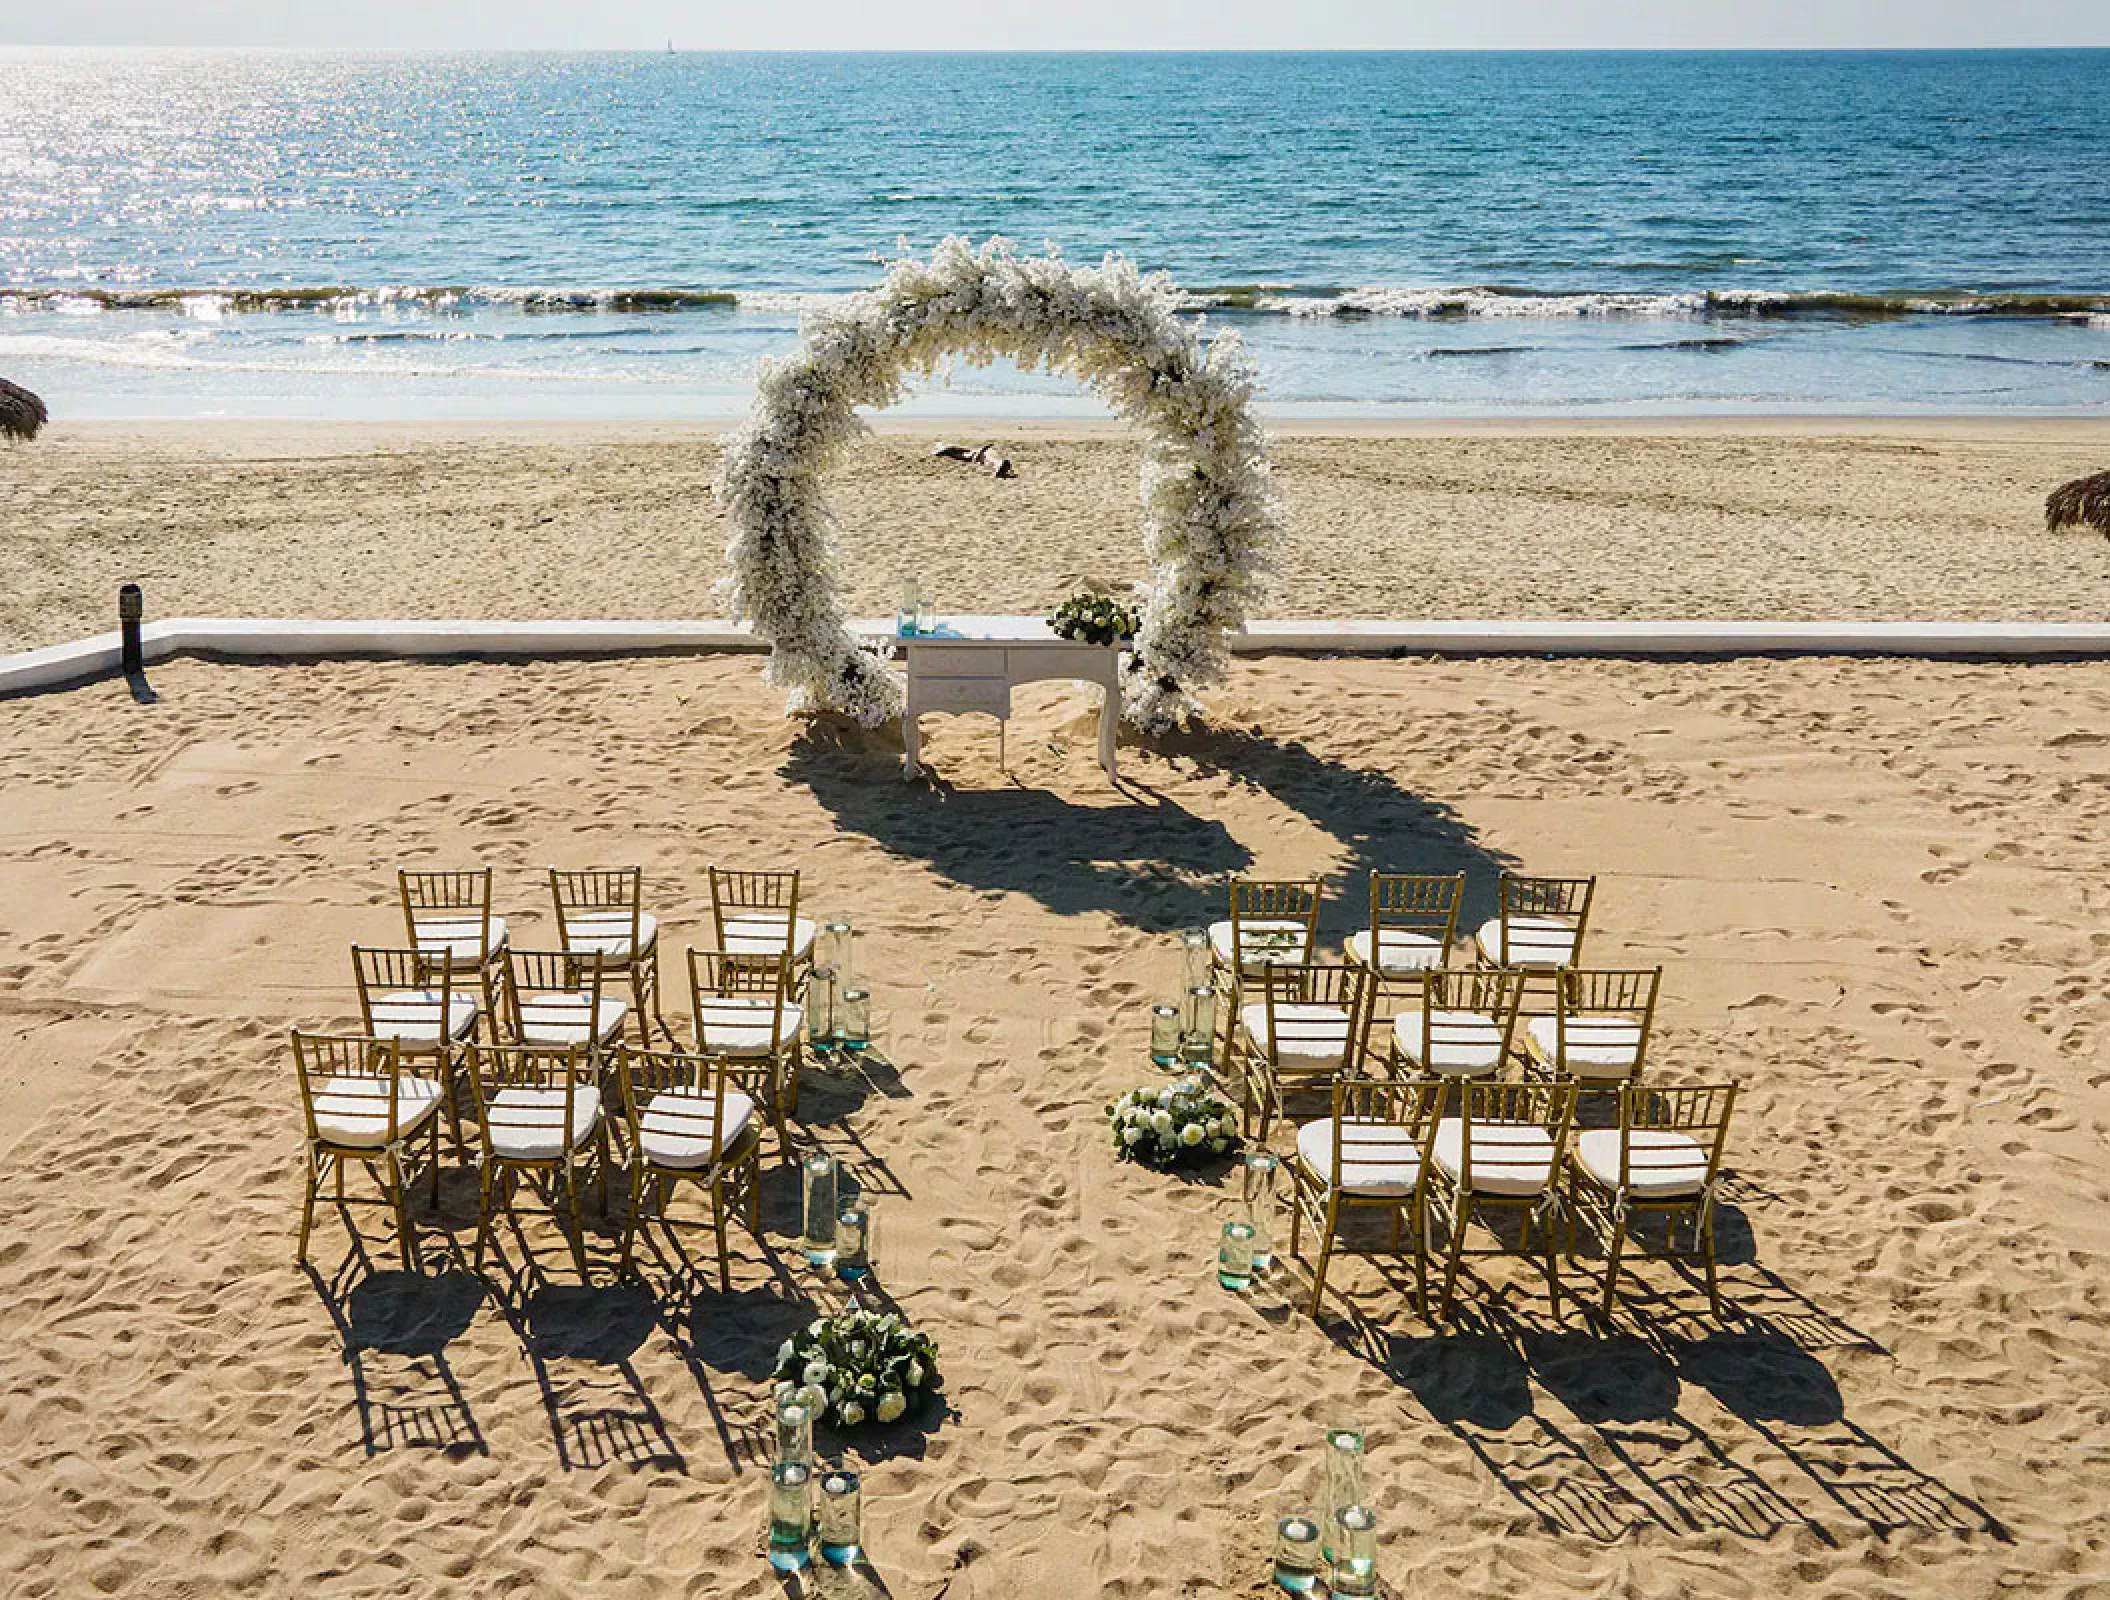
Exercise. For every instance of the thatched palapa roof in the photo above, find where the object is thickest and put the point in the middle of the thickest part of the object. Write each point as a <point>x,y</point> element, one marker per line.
<point>2083,503</point>
<point>21,413</point>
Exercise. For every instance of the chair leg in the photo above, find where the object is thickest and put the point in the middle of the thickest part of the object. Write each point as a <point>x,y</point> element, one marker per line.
<point>576,1233</point>
<point>483,1210</point>
<point>309,1189</point>
<point>1612,1253</point>
<point>1551,1226</point>
<point>630,1220</point>
<point>1421,1256</point>
<point>1461,1217</point>
<point>405,1242</point>
<point>1318,1271</point>
<point>792,1062</point>
<point>725,1263</point>
<point>435,1158</point>
<point>1705,1230</point>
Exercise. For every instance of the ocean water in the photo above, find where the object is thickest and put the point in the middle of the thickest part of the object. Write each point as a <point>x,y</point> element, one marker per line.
<point>273,234</point>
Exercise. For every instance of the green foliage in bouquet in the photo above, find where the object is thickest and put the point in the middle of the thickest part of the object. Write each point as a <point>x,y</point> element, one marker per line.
<point>1173,1126</point>
<point>858,1367</point>
<point>1095,619</point>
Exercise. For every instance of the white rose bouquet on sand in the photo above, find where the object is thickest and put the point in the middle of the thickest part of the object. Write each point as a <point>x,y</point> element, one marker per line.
<point>858,1367</point>
<point>1172,1126</point>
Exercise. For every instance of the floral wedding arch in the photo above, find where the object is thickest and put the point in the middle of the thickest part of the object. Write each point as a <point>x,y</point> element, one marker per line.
<point>1209,506</point>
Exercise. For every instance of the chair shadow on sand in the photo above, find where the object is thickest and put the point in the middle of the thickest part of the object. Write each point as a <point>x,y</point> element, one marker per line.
<point>1142,857</point>
<point>1632,1458</point>
<point>411,1398</point>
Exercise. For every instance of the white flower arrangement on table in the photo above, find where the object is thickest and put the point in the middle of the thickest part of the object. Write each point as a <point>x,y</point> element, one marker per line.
<point>1171,1126</point>
<point>1210,511</point>
<point>858,1367</point>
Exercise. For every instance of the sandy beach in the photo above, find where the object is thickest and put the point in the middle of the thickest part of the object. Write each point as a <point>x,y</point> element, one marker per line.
<point>1875,887</point>
<point>1794,519</point>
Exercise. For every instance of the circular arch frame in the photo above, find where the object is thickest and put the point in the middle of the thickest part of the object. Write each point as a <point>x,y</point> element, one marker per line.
<point>1210,511</point>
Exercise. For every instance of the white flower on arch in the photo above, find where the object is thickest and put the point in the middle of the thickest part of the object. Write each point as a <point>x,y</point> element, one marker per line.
<point>1210,512</point>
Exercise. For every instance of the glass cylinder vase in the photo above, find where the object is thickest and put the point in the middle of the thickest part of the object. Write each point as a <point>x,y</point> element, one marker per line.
<point>840,1518</point>
<point>1198,1026</point>
<point>820,1010</point>
<point>1297,1559</point>
<point>911,604</point>
<point>1353,1572</point>
<point>1194,959</point>
<point>1258,1198</point>
<point>853,1019</point>
<point>835,948</point>
<point>1234,1256</point>
<point>926,613</point>
<point>818,1171</point>
<point>794,1430</point>
<point>853,1239</point>
<point>790,1515</point>
<point>1164,1035</point>
<point>1344,1476</point>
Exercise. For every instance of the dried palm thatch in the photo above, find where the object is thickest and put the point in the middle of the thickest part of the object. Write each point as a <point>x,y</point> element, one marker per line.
<point>21,413</point>
<point>2083,503</point>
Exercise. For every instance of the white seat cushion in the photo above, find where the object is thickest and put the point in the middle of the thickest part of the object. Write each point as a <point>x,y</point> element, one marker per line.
<point>1665,1165</point>
<point>1512,1158</point>
<point>561,1019</point>
<point>1464,1044</point>
<point>1312,1036</point>
<point>459,938</point>
<point>528,1124</point>
<point>609,933</point>
<point>761,933</point>
<point>677,1128</point>
<point>354,1111</point>
<point>1597,1047</point>
<point>1398,950</point>
<point>1534,942</point>
<point>1290,951</point>
<point>1380,1158</point>
<point>738,1025</point>
<point>412,1016</point>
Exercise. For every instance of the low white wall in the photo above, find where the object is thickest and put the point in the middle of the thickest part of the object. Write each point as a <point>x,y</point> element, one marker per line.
<point>295,638</point>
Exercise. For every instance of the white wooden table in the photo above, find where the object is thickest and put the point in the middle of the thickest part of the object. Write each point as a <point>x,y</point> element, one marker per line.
<point>972,663</point>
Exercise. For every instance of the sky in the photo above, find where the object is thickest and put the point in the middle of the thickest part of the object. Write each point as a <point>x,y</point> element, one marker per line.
<point>1065,24</point>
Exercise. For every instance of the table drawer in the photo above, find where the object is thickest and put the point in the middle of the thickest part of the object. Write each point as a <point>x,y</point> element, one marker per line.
<point>1087,662</point>
<point>992,695</point>
<point>956,660</point>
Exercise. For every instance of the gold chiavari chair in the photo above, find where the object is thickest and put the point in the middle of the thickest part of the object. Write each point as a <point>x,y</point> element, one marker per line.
<point>555,999</point>
<point>1599,1031</point>
<point>1413,921</point>
<point>1306,1032</point>
<point>744,1014</point>
<point>540,1111</point>
<point>409,996</point>
<point>602,909</point>
<point>757,914</point>
<point>1371,1154</point>
<point>690,1123</point>
<point>1458,1022</point>
<point>360,1105</point>
<point>1664,1157</point>
<point>1540,923</point>
<point>448,913</point>
<point>1498,1150</point>
<point>1271,924</point>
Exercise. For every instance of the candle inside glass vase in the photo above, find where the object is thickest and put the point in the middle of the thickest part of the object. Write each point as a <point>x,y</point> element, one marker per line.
<point>790,1515</point>
<point>1297,1560</point>
<point>1261,1170</point>
<point>1198,1027</point>
<point>820,1010</point>
<point>1234,1257</point>
<point>853,1019</point>
<point>1354,1570</point>
<point>794,1430</point>
<point>853,1239</point>
<point>839,1517</point>
<point>1164,1035</point>
<point>818,1171</point>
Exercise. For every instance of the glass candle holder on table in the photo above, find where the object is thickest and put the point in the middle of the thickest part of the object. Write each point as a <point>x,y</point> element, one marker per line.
<point>1258,1200</point>
<point>794,1430</point>
<point>853,1239</point>
<point>840,1518</point>
<point>853,1019</point>
<point>818,1173</point>
<point>926,613</point>
<point>1234,1256</point>
<point>790,1515</point>
<point>1165,1035</point>
<point>1297,1559</point>
<point>820,1010</point>
<point>911,605</point>
<point>1353,1572</point>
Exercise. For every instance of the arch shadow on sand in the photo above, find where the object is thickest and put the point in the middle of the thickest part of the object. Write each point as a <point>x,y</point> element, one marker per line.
<point>1141,857</point>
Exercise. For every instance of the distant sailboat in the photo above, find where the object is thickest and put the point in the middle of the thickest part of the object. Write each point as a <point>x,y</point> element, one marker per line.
<point>670,47</point>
